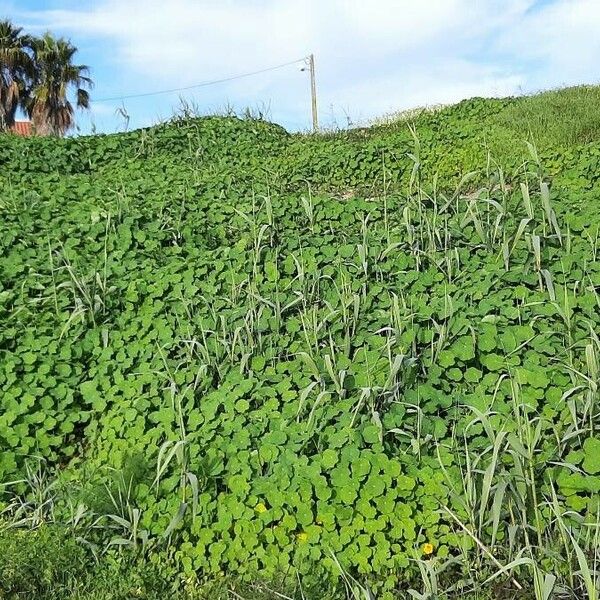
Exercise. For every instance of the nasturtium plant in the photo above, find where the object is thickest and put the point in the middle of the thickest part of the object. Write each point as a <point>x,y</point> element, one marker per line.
<point>329,458</point>
<point>591,459</point>
<point>290,353</point>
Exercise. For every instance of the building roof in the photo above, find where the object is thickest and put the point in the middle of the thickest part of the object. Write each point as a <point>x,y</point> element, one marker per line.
<point>22,128</point>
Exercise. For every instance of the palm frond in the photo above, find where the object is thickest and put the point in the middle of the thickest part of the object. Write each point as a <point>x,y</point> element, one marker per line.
<point>16,71</point>
<point>56,74</point>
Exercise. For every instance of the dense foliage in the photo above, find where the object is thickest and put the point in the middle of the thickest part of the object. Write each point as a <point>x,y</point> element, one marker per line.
<point>370,355</point>
<point>37,75</point>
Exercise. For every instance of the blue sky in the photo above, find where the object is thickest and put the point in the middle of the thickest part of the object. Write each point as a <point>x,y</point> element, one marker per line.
<point>372,56</point>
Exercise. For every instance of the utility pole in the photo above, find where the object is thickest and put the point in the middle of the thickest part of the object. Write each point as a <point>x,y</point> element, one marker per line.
<point>313,92</point>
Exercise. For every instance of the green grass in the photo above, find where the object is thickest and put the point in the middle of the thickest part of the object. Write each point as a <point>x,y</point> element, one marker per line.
<point>565,118</point>
<point>561,118</point>
<point>236,362</point>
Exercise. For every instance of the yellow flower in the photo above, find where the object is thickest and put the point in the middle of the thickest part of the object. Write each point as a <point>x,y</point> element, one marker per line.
<point>260,508</point>
<point>302,536</point>
<point>428,549</point>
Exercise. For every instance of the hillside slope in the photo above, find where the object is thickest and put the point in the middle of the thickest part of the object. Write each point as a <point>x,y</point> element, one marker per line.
<point>271,356</point>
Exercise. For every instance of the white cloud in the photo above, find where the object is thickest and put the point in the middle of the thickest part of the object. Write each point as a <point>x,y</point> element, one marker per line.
<point>372,56</point>
<point>560,40</point>
<point>165,39</point>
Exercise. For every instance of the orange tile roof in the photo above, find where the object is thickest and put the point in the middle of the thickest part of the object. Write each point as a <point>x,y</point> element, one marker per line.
<point>22,128</point>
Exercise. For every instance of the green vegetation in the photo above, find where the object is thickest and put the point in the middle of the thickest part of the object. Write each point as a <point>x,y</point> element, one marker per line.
<point>236,362</point>
<point>36,75</point>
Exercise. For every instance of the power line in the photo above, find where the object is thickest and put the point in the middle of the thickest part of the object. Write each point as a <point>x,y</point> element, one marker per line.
<point>203,84</point>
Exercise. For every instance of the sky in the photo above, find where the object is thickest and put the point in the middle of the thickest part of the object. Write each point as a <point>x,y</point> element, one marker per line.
<point>372,56</point>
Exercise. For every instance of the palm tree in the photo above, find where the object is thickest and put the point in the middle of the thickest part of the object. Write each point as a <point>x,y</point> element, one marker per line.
<point>16,71</point>
<point>48,105</point>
